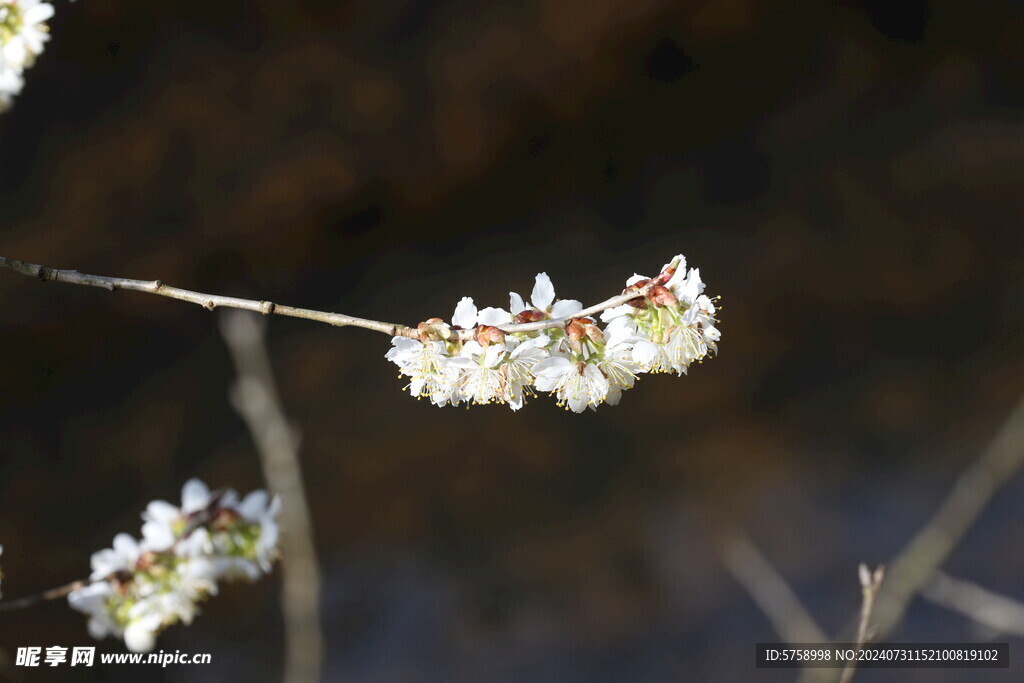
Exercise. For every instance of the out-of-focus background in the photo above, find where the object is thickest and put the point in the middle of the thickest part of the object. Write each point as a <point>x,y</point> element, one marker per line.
<point>846,175</point>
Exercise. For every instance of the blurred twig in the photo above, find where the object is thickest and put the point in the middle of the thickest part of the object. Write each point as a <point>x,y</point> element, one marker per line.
<point>52,594</point>
<point>930,547</point>
<point>256,399</point>
<point>768,589</point>
<point>999,613</point>
<point>870,583</point>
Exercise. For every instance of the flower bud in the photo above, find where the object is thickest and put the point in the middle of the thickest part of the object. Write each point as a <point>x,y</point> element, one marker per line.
<point>661,296</point>
<point>665,276</point>
<point>225,519</point>
<point>433,329</point>
<point>530,315</point>
<point>488,334</point>
<point>575,330</point>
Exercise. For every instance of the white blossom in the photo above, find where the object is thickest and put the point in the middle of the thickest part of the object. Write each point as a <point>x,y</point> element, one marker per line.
<point>576,384</point>
<point>138,588</point>
<point>23,34</point>
<point>669,325</point>
<point>543,299</point>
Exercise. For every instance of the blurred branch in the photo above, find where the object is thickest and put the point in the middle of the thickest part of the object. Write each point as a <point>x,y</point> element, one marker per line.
<point>255,398</point>
<point>768,589</point>
<point>212,301</point>
<point>926,552</point>
<point>45,596</point>
<point>870,583</point>
<point>991,610</point>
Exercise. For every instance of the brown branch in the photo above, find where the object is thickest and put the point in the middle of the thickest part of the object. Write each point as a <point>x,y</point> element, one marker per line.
<point>870,583</point>
<point>927,550</point>
<point>256,399</point>
<point>999,613</point>
<point>207,301</point>
<point>45,596</point>
<point>213,301</point>
<point>768,589</point>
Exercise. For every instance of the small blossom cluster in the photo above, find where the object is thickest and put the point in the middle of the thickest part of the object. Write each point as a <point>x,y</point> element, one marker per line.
<point>137,588</point>
<point>23,33</point>
<point>484,356</point>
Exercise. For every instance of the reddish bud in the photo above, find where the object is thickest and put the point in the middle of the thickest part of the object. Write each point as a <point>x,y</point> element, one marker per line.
<point>661,296</point>
<point>488,334</point>
<point>575,331</point>
<point>665,276</point>
<point>636,286</point>
<point>638,302</point>
<point>225,518</point>
<point>530,315</point>
<point>145,561</point>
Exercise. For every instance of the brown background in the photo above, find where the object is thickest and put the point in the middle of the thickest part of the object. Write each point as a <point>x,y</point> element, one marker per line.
<point>846,176</point>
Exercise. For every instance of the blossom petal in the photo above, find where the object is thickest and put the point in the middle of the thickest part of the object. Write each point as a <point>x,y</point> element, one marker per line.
<point>465,314</point>
<point>494,316</point>
<point>515,303</point>
<point>565,308</point>
<point>645,353</point>
<point>254,505</point>
<point>543,292</point>
<point>195,495</point>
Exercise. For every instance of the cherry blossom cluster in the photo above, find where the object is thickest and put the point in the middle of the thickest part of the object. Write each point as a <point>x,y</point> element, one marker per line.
<point>23,33</point>
<point>139,587</point>
<point>666,327</point>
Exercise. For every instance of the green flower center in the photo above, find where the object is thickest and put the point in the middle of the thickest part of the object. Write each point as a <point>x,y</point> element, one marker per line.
<point>11,21</point>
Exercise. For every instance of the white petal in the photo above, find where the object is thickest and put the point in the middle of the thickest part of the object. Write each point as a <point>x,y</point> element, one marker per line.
<point>126,547</point>
<point>161,511</point>
<point>254,505</point>
<point>140,635</point>
<point>566,308</point>
<point>610,314</point>
<point>465,314</point>
<point>577,403</point>
<point>679,263</point>
<point>645,352</point>
<point>515,303</point>
<point>494,316</point>
<point>552,367</point>
<point>195,495</point>
<point>598,382</point>
<point>37,14</point>
<point>157,537</point>
<point>492,355</point>
<point>543,292</point>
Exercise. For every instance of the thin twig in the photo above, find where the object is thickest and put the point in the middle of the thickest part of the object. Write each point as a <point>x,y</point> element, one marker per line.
<point>213,301</point>
<point>870,583</point>
<point>768,589</point>
<point>45,596</point>
<point>999,613</point>
<point>256,399</point>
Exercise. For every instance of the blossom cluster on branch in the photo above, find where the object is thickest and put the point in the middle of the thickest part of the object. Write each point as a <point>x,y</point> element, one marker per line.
<point>137,588</point>
<point>23,33</point>
<point>666,327</point>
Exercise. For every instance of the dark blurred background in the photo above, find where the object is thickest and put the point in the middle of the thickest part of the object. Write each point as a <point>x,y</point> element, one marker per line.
<point>845,175</point>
